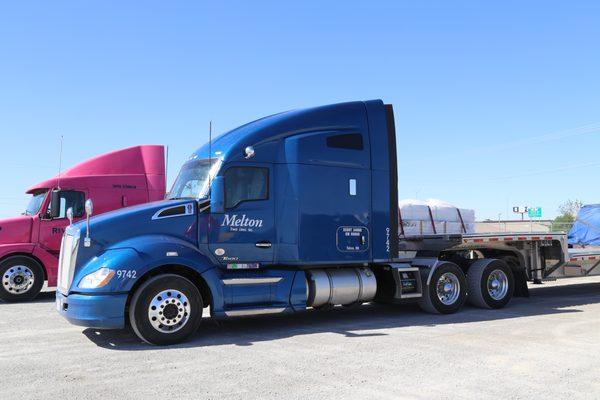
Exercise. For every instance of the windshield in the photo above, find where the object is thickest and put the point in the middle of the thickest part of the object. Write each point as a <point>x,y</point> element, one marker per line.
<point>37,198</point>
<point>193,179</point>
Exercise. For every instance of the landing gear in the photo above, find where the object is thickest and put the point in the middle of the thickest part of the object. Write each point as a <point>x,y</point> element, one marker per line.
<point>166,309</point>
<point>22,278</point>
<point>446,291</point>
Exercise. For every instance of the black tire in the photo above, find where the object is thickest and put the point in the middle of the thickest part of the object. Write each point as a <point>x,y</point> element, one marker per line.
<point>430,301</point>
<point>512,262</point>
<point>477,277</point>
<point>172,285</point>
<point>14,272</point>
<point>521,288</point>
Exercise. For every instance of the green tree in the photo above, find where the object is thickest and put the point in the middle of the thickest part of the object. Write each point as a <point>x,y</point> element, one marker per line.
<point>568,212</point>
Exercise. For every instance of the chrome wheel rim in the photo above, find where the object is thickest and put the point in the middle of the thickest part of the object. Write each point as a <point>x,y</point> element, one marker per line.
<point>169,311</point>
<point>497,284</point>
<point>448,288</point>
<point>18,279</point>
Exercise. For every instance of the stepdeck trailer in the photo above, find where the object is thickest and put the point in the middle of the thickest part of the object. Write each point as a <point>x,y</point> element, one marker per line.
<point>291,212</point>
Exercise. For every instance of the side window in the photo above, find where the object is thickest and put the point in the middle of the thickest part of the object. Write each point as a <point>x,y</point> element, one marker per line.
<point>350,141</point>
<point>245,184</point>
<point>71,198</point>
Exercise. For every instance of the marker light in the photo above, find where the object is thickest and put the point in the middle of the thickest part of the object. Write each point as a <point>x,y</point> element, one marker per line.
<point>96,279</point>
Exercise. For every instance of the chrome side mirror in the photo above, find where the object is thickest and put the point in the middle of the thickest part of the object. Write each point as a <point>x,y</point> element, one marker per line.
<point>70,215</point>
<point>89,209</point>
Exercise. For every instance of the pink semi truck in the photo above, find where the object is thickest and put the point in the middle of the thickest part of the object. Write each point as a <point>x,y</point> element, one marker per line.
<point>30,243</point>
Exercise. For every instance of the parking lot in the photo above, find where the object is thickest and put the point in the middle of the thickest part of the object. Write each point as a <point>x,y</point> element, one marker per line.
<point>541,347</point>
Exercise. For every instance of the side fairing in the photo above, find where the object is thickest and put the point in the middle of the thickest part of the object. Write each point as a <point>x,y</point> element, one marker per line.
<point>384,175</point>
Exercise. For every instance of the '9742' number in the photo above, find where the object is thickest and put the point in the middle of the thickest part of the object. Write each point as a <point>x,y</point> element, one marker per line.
<point>126,273</point>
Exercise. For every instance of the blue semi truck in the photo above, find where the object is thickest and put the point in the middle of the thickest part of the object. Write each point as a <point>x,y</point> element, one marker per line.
<point>294,211</point>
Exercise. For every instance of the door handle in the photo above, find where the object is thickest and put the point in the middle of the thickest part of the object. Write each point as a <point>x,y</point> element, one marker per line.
<point>263,244</point>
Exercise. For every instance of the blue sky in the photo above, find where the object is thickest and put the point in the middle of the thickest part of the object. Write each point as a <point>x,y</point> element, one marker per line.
<point>496,104</point>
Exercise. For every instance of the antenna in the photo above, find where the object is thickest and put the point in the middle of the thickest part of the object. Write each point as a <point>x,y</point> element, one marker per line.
<point>60,161</point>
<point>209,173</point>
<point>209,155</point>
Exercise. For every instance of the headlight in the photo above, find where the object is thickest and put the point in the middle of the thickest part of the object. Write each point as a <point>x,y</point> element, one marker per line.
<point>96,279</point>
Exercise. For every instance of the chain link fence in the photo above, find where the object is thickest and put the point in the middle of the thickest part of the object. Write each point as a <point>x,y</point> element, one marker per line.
<point>561,226</point>
<point>522,226</point>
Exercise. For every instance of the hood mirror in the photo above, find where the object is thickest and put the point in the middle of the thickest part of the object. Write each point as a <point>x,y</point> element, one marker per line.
<point>89,209</point>
<point>70,215</point>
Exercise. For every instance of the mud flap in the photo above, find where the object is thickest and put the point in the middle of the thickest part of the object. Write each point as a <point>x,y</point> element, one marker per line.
<point>521,289</point>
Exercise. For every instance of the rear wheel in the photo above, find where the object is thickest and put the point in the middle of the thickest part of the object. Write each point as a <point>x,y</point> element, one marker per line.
<point>167,309</point>
<point>446,292</point>
<point>22,278</point>
<point>491,283</point>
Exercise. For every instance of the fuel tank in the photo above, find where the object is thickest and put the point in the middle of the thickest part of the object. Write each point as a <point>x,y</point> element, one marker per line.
<point>344,286</point>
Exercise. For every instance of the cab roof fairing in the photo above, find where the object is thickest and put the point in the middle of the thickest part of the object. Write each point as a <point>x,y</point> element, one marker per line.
<point>136,160</point>
<point>265,133</point>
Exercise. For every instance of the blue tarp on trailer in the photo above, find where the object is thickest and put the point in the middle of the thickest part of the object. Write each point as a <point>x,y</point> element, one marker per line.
<point>586,229</point>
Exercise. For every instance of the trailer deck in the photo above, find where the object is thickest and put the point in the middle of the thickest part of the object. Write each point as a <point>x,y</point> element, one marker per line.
<point>544,255</point>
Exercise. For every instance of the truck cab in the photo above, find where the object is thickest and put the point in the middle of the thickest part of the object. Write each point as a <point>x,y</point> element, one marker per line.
<point>293,211</point>
<point>30,243</point>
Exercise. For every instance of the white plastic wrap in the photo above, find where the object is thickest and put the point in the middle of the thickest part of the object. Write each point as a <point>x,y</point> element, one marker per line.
<point>417,219</point>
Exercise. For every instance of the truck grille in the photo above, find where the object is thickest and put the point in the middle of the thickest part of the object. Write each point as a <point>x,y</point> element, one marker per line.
<point>67,259</point>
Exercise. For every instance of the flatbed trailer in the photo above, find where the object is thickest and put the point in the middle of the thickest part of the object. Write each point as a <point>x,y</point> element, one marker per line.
<point>534,257</point>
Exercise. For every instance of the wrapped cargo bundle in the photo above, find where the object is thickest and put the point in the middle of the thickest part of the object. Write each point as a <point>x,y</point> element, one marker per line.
<point>418,217</point>
<point>586,229</point>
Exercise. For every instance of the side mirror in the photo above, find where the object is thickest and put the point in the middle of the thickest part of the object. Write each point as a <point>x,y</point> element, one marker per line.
<point>217,195</point>
<point>55,204</point>
<point>89,207</point>
<point>70,215</point>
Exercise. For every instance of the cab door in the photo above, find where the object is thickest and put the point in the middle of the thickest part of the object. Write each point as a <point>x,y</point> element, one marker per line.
<point>52,229</point>
<point>245,231</point>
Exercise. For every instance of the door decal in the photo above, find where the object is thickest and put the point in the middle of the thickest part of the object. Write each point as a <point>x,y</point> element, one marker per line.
<point>352,238</point>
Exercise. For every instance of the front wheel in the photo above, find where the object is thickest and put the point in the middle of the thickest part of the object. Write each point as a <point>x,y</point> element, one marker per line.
<point>491,283</point>
<point>166,309</point>
<point>22,278</point>
<point>446,292</point>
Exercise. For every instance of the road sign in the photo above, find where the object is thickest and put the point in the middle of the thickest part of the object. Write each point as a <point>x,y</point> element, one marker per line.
<point>534,212</point>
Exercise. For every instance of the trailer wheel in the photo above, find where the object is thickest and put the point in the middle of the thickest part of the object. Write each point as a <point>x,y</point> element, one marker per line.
<point>22,278</point>
<point>491,283</point>
<point>446,292</point>
<point>167,309</point>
